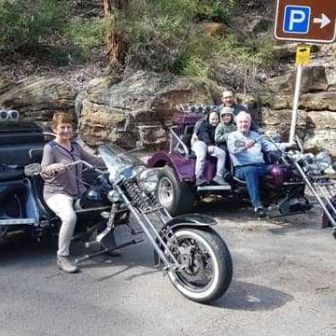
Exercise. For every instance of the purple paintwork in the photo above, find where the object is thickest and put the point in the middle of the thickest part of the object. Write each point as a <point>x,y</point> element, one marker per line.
<point>184,169</point>
<point>182,120</point>
<point>277,175</point>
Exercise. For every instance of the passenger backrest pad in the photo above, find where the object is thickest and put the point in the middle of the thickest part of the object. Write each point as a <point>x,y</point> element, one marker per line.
<point>17,139</point>
<point>18,154</point>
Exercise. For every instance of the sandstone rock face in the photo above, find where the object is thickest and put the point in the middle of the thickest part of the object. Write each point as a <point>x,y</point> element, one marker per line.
<point>318,140</point>
<point>143,101</point>
<point>316,123</point>
<point>5,84</point>
<point>39,98</point>
<point>321,132</point>
<point>314,79</point>
<point>278,121</point>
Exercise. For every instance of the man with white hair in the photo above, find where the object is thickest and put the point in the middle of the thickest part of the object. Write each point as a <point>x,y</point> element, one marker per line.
<point>246,151</point>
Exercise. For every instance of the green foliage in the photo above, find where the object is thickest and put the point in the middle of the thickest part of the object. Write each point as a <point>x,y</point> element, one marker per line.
<point>189,65</point>
<point>215,9</point>
<point>87,34</point>
<point>25,23</point>
<point>253,52</point>
<point>163,35</point>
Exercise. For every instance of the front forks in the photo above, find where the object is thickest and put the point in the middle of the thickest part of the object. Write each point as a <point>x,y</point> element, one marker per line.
<point>163,251</point>
<point>321,191</point>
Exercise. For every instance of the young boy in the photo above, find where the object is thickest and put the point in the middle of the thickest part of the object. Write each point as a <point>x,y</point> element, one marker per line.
<point>226,126</point>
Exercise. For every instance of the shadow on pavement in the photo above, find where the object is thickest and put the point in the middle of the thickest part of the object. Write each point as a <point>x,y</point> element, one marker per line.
<point>252,297</point>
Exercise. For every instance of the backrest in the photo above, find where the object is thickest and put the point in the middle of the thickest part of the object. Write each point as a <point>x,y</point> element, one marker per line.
<point>187,135</point>
<point>17,140</point>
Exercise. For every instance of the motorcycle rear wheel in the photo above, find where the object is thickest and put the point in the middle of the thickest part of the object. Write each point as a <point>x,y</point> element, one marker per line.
<point>208,273</point>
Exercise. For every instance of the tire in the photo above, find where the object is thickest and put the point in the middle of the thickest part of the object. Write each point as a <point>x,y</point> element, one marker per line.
<point>177,197</point>
<point>187,281</point>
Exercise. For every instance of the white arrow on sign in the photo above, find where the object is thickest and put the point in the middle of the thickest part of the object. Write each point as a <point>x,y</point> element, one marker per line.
<point>323,20</point>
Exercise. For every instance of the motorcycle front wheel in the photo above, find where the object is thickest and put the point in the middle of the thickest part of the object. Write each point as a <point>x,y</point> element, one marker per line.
<point>208,265</point>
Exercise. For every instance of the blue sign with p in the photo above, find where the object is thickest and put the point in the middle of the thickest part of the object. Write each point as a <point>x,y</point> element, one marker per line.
<point>297,19</point>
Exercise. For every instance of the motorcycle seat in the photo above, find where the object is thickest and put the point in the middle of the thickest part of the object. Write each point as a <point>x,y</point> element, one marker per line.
<point>11,174</point>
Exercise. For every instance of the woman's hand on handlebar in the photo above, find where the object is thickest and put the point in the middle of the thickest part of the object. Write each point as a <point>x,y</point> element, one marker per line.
<point>56,168</point>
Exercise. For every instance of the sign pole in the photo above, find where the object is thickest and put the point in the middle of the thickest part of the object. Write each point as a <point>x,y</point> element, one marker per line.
<point>296,102</point>
<point>302,58</point>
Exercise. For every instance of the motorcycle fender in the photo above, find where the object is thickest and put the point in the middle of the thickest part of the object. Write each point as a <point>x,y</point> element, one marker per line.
<point>195,219</point>
<point>191,220</point>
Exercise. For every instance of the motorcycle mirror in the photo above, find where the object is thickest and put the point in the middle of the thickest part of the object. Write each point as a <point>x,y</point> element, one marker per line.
<point>32,169</point>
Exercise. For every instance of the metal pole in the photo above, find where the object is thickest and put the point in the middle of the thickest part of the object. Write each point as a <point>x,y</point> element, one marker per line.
<point>295,102</point>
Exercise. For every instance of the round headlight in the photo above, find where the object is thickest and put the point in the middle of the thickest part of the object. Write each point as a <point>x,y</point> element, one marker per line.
<point>323,160</point>
<point>149,179</point>
<point>113,196</point>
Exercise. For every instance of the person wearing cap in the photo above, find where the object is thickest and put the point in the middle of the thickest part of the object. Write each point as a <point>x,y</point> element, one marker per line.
<point>205,144</point>
<point>228,100</point>
<point>225,126</point>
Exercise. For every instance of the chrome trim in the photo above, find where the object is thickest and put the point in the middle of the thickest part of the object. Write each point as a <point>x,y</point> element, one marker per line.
<point>180,143</point>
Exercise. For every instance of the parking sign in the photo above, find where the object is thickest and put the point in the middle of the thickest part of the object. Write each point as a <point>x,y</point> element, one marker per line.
<point>306,20</point>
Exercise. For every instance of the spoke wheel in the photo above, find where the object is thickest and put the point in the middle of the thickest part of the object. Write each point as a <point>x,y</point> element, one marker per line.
<point>207,271</point>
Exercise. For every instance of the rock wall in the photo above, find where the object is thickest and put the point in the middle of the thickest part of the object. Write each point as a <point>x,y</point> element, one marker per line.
<point>137,107</point>
<point>317,104</point>
<point>140,105</point>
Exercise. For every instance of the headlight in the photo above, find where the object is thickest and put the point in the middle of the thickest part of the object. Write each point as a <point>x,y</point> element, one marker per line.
<point>113,196</point>
<point>149,179</point>
<point>323,160</point>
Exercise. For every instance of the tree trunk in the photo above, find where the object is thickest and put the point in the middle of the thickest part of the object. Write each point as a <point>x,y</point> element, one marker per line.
<point>116,41</point>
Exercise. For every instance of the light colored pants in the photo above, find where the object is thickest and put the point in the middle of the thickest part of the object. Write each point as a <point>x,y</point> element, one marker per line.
<point>62,205</point>
<point>201,150</point>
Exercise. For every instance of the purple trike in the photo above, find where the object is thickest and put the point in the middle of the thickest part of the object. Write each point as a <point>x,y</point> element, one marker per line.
<point>283,188</point>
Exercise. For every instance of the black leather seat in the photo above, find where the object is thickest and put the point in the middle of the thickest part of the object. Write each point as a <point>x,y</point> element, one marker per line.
<point>13,158</point>
<point>10,174</point>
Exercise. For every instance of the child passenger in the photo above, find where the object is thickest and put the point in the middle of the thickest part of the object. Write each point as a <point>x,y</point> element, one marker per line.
<point>226,126</point>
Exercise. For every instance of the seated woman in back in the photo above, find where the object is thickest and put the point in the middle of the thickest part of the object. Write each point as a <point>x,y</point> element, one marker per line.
<point>205,144</point>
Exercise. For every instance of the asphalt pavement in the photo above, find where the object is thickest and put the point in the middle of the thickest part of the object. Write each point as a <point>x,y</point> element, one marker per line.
<point>283,284</point>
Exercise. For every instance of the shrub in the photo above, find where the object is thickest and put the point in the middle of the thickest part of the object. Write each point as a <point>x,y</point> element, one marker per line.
<point>163,35</point>
<point>87,34</point>
<point>27,23</point>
